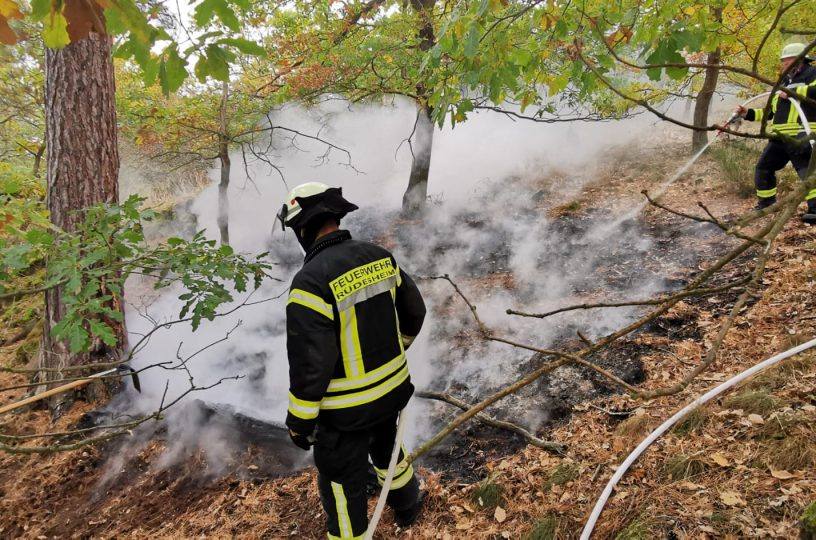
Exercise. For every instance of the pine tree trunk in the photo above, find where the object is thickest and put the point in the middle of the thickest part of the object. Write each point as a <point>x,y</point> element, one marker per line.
<point>223,156</point>
<point>416,194</point>
<point>82,163</point>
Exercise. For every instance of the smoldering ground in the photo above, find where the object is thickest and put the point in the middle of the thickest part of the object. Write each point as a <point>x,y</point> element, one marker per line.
<point>492,184</point>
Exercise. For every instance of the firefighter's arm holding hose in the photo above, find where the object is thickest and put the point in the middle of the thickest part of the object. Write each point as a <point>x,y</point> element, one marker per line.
<point>312,347</point>
<point>410,308</point>
<point>755,115</point>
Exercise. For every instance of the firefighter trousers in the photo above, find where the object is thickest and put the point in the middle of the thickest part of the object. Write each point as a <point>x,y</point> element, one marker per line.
<point>342,460</point>
<point>774,157</point>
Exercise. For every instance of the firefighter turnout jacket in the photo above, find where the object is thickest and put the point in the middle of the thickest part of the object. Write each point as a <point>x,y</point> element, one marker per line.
<point>349,309</point>
<point>786,119</point>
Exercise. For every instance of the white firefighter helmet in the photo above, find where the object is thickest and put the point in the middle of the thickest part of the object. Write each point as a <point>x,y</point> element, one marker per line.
<point>292,207</point>
<point>792,50</point>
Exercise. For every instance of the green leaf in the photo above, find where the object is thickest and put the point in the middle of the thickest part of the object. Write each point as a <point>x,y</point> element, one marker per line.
<point>78,338</point>
<point>472,42</point>
<point>55,32</point>
<point>40,9</point>
<point>204,11</point>
<point>217,63</point>
<point>172,71</point>
<point>244,45</point>
<point>38,236</point>
<point>115,22</point>
<point>103,332</point>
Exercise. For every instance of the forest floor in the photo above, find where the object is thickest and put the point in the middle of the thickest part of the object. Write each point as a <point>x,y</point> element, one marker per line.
<point>743,466</point>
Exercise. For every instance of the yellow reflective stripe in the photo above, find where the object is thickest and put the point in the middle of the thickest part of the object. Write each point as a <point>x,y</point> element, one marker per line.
<point>350,344</point>
<point>366,396</point>
<point>802,90</point>
<point>792,128</point>
<point>793,115</point>
<point>811,195</point>
<point>311,301</point>
<point>402,473</point>
<point>765,193</point>
<point>400,478</point>
<point>759,114</point>
<point>350,383</point>
<point>400,339</point>
<point>403,479</point>
<point>307,410</point>
<point>332,537</point>
<point>343,519</point>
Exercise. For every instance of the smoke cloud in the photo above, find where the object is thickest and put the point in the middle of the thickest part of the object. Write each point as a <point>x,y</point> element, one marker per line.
<point>492,182</point>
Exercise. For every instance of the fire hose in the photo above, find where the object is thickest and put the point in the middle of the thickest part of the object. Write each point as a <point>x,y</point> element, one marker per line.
<point>389,477</point>
<point>708,396</point>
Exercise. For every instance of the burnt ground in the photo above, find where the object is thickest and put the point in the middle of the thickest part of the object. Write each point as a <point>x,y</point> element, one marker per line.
<point>84,493</point>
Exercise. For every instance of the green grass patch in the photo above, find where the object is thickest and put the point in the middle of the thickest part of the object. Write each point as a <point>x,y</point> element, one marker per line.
<point>681,466</point>
<point>545,528</point>
<point>693,421</point>
<point>796,452</point>
<point>562,474</point>
<point>488,494</point>
<point>808,522</point>
<point>636,530</point>
<point>736,160</point>
<point>753,401</point>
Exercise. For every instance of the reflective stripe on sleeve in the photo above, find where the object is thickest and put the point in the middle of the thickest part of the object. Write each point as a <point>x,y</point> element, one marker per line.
<point>311,301</point>
<point>306,410</point>
<point>811,195</point>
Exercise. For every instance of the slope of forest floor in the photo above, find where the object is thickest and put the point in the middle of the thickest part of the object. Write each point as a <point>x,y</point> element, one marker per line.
<point>744,466</point>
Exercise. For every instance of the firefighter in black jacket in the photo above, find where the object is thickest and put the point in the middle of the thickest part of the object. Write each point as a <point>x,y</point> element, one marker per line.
<point>351,314</point>
<point>801,80</point>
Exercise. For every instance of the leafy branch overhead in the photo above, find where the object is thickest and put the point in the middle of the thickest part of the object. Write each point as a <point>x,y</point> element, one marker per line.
<point>144,32</point>
<point>91,265</point>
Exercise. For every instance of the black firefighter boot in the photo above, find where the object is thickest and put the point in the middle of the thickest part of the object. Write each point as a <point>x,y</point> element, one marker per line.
<point>406,517</point>
<point>764,202</point>
<point>810,216</point>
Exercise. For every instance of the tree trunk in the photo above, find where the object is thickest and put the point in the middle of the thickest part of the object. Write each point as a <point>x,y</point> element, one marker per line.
<point>421,145</point>
<point>703,102</point>
<point>223,156</point>
<point>416,194</point>
<point>82,163</point>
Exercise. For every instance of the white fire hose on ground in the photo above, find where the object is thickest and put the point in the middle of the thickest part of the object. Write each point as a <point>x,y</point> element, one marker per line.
<point>389,477</point>
<point>708,396</point>
<point>665,426</point>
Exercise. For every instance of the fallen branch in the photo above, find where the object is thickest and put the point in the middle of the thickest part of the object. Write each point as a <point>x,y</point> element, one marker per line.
<point>628,303</point>
<point>551,446</point>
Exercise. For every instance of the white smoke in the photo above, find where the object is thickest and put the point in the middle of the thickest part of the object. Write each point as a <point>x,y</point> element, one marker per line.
<point>492,181</point>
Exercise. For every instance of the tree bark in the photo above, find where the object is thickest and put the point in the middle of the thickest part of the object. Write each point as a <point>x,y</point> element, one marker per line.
<point>82,162</point>
<point>421,145</point>
<point>703,102</point>
<point>223,156</point>
<point>416,194</point>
